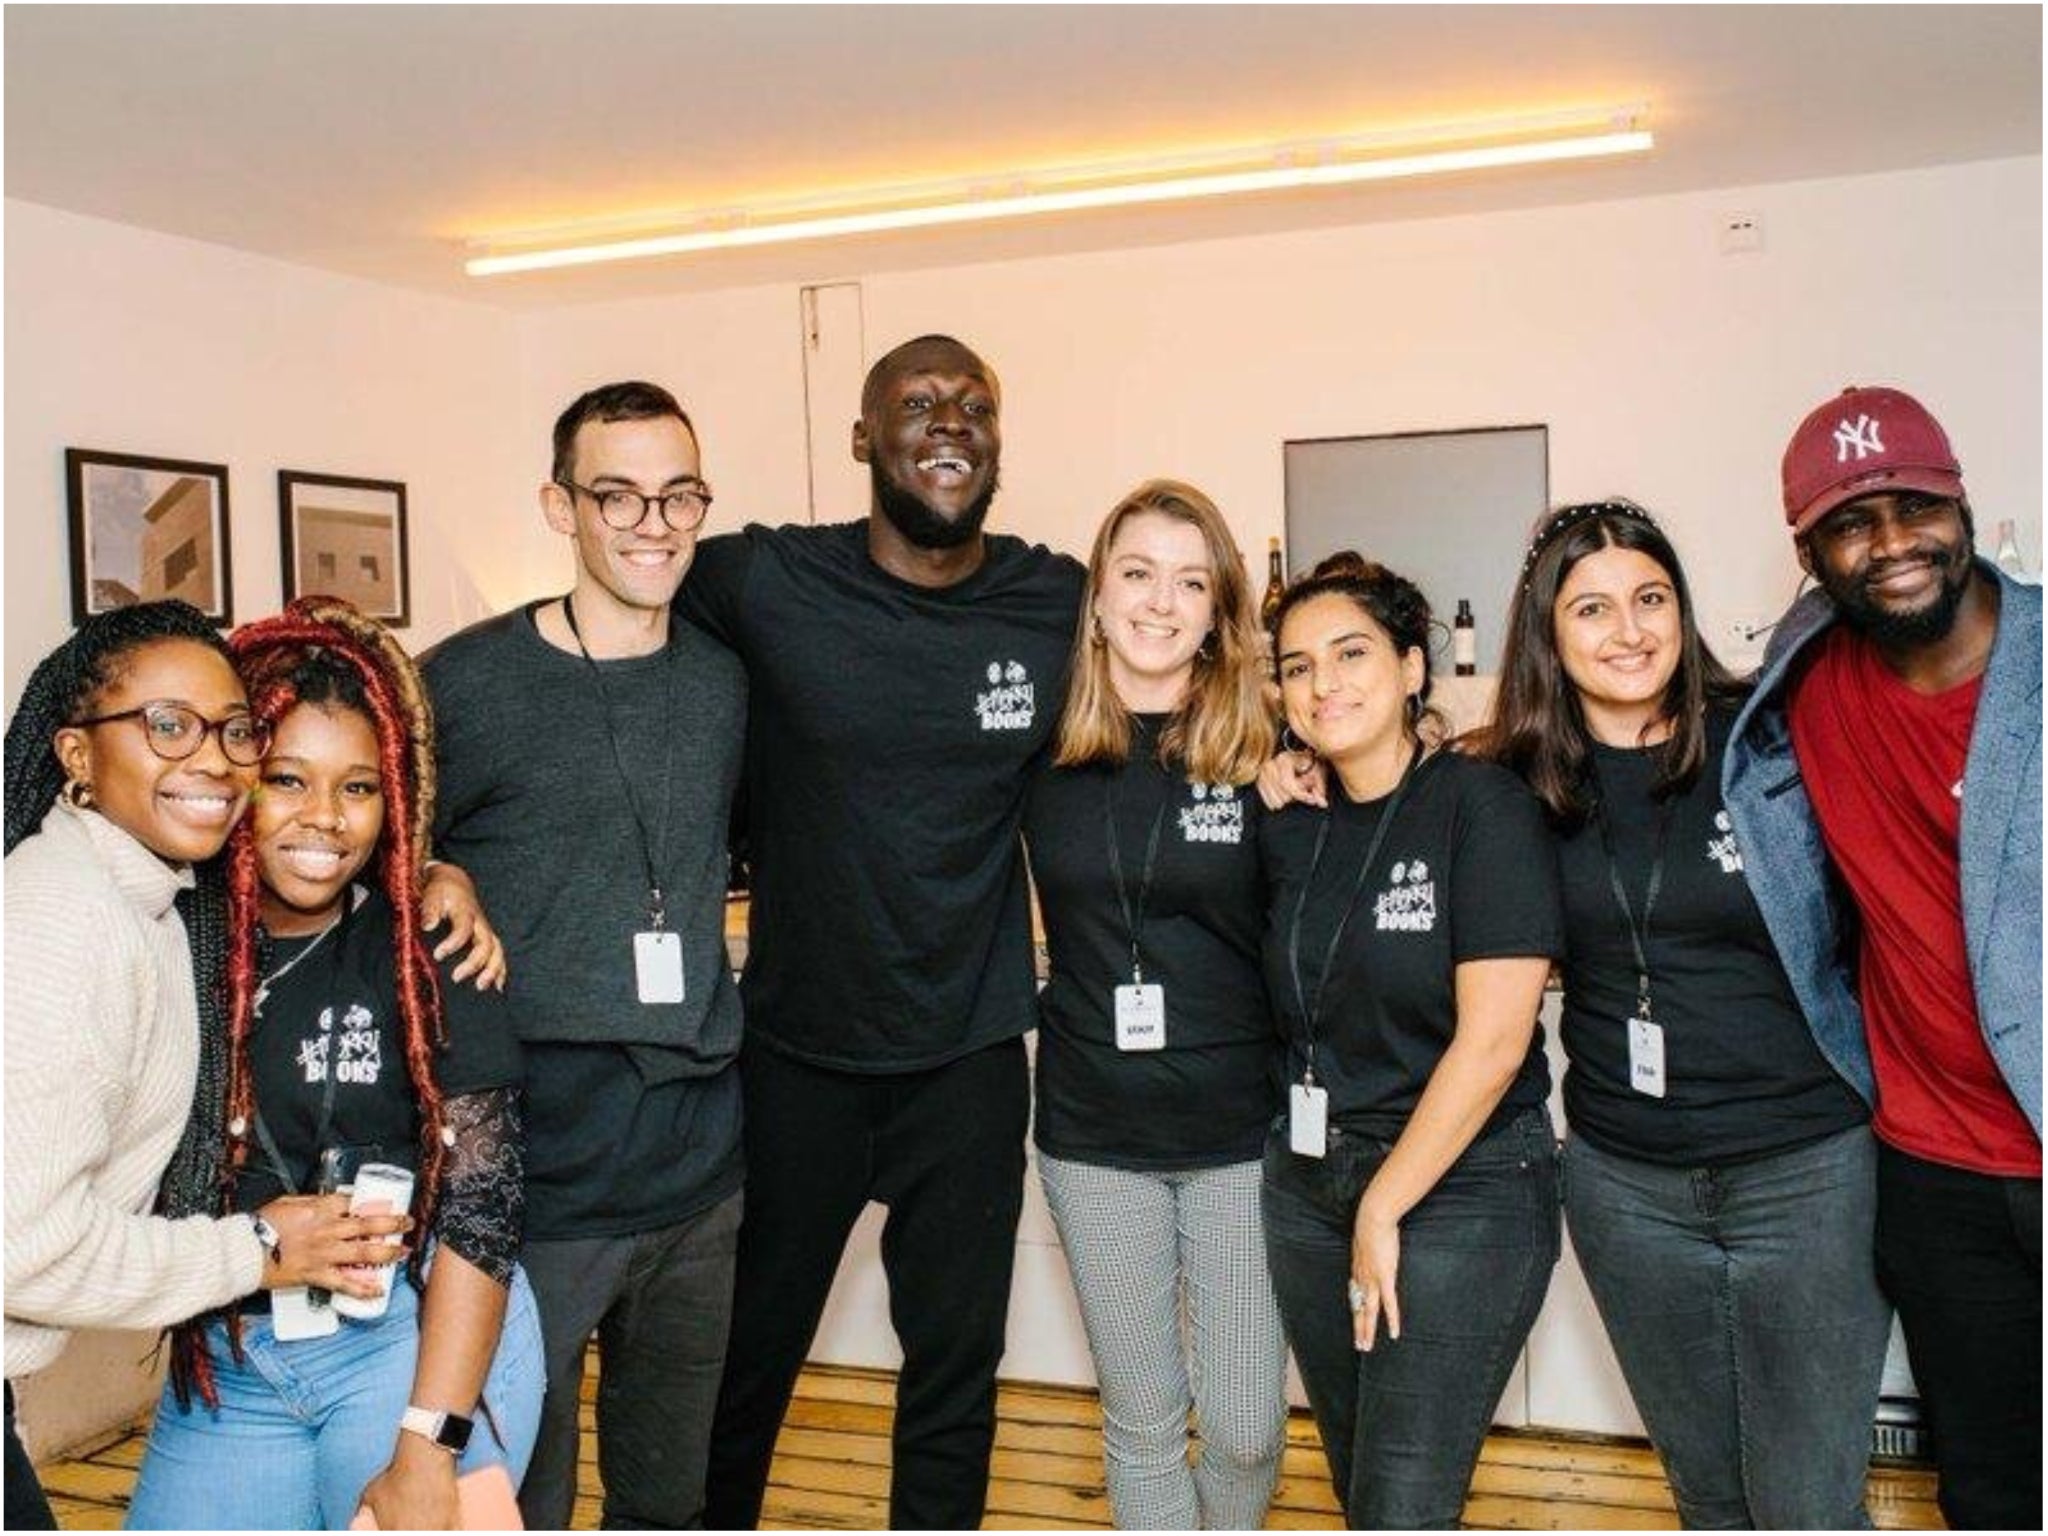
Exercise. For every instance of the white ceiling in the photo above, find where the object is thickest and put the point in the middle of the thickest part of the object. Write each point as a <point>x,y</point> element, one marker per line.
<point>377,140</point>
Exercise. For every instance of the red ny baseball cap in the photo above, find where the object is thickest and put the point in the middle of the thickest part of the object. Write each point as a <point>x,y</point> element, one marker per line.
<point>1867,439</point>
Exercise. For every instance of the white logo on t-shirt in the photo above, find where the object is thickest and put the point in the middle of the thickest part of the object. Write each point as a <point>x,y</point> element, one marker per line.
<point>361,1053</point>
<point>1217,816</point>
<point>1721,848</point>
<point>1009,704</point>
<point>1408,904</point>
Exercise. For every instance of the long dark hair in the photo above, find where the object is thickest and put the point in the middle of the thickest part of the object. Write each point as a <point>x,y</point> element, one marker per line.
<point>1538,727</point>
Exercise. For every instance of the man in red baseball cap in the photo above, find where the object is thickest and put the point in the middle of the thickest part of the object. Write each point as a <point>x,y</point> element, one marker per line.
<point>1892,751</point>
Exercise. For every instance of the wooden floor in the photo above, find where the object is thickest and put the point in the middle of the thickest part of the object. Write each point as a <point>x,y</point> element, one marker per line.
<point>832,1472</point>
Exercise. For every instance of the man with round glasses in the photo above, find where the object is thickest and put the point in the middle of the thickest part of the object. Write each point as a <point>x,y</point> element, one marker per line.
<point>589,751</point>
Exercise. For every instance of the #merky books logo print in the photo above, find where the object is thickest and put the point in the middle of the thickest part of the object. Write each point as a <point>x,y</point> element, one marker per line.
<point>1010,702</point>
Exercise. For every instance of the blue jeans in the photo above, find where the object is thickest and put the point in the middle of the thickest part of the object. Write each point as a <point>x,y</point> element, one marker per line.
<point>302,1427</point>
<point>1742,1302</point>
<point>1403,1426</point>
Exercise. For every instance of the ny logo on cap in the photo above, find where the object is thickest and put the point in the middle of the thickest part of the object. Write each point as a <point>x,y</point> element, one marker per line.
<point>1859,437</point>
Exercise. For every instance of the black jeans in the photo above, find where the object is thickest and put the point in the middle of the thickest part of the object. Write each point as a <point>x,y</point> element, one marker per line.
<point>27,1509</point>
<point>1403,1425</point>
<point>660,1303</point>
<point>944,1150</point>
<point>1960,1256</point>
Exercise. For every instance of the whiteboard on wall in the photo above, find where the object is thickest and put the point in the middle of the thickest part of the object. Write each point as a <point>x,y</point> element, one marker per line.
<point>1451,511</point>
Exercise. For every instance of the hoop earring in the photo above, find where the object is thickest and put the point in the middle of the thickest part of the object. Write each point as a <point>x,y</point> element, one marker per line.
<point>1289,742</point>
<point>77,794</point>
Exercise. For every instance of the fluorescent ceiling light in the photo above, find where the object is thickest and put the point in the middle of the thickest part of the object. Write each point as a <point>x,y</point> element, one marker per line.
<point>1528,141</point>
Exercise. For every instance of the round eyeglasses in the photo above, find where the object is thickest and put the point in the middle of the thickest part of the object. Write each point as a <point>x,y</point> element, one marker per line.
<point>175,732</point>
<point>623,510</point>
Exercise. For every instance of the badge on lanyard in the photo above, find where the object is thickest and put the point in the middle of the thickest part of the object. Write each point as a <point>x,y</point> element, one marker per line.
<point>1141,1016</point>
<point>1308,1119</point>
<point>658,965</point>
<point>1646,1057</point>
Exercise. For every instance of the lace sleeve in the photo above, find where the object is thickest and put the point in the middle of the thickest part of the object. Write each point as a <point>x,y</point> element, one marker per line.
<point>483,1193</point>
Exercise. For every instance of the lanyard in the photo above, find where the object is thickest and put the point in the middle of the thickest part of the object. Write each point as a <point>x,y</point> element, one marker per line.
<point>648,842</point>
<point>1134,916</point>
<point>1638,935</point>
<point>1310,1005</point>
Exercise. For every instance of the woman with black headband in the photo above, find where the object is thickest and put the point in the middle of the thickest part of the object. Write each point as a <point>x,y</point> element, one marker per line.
<point>1719,1178</point>
<point>1410,1192</point>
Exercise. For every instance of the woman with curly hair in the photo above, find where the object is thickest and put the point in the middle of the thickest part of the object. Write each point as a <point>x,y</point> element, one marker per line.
<point>344,1047</point>
<point>129,758</point>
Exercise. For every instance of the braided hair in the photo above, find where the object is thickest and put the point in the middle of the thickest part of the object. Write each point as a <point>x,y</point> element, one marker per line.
<point>63,687</point>
<point>319,651</point>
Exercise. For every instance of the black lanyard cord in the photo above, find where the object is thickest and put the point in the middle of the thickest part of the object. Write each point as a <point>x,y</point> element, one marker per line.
<point>1134,915</point>
<point>656,912</point>
<point>1638,934</point>
<point>1310,1007</point>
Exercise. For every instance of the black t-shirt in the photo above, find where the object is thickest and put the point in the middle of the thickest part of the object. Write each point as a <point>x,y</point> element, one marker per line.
<point>1743,1076</point>
<point>1467,872</point>
<point>332,1008</point>
<point>893,732</point>
<point>1207,1097</point>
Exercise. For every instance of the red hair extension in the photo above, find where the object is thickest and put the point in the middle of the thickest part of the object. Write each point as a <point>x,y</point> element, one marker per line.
<point>268,653</point>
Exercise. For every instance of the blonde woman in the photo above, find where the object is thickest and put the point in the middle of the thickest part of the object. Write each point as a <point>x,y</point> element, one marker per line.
<point>1156,1048</point>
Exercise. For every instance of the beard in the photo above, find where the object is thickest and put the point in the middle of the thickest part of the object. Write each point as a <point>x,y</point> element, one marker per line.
<point>1889,626</point>
<point>919,523</point>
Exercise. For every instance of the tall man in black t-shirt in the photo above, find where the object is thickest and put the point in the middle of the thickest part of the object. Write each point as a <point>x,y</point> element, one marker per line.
<point>589,752</point>
<point>906,673</point>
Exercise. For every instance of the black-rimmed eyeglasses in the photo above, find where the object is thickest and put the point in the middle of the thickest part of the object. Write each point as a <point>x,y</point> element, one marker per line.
<point>175,732</point>
<point>622,510</point>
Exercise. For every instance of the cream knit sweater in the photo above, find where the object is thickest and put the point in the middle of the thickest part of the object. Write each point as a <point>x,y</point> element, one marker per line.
<point>102,1036</point>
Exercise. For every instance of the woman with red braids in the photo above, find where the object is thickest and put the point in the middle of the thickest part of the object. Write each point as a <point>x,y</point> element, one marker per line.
<point>345,1048</point>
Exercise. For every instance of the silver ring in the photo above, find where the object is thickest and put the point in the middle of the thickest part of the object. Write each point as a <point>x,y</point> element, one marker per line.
<point>1355,1294</point>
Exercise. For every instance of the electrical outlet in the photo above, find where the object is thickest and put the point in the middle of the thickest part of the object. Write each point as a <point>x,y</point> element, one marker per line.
<point>1741,232</point>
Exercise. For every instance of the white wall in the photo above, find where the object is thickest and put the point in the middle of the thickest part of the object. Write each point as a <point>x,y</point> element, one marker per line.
<point>1663,369</point>
<point>123,340</point>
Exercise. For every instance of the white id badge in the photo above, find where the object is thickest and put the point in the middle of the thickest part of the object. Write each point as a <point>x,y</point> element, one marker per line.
<point>1141,1017</point>
<point>1646,1057</point>
<point>658,965</point>
<point>1308,1119</point>
<point>293,1316</point>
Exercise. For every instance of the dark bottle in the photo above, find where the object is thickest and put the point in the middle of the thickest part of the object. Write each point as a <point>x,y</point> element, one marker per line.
<point>1464,641</point>
<point>1276,583</point>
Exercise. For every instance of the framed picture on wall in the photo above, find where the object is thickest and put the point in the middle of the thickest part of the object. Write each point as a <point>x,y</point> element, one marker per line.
<point>147,528</point>
<point>345,537</point>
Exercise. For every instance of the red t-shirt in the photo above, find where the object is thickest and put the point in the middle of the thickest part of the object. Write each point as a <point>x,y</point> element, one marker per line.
<point>1884,769</point>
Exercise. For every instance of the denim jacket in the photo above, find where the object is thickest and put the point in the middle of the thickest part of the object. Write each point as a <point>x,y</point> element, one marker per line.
<point>1808,910</point>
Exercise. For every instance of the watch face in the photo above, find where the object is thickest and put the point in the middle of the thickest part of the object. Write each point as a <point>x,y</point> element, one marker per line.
<point>455,1432</point>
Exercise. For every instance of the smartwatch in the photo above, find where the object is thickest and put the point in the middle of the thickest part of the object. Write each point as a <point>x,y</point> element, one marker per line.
<point>267,1235</point>
<point>450,1431</point>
